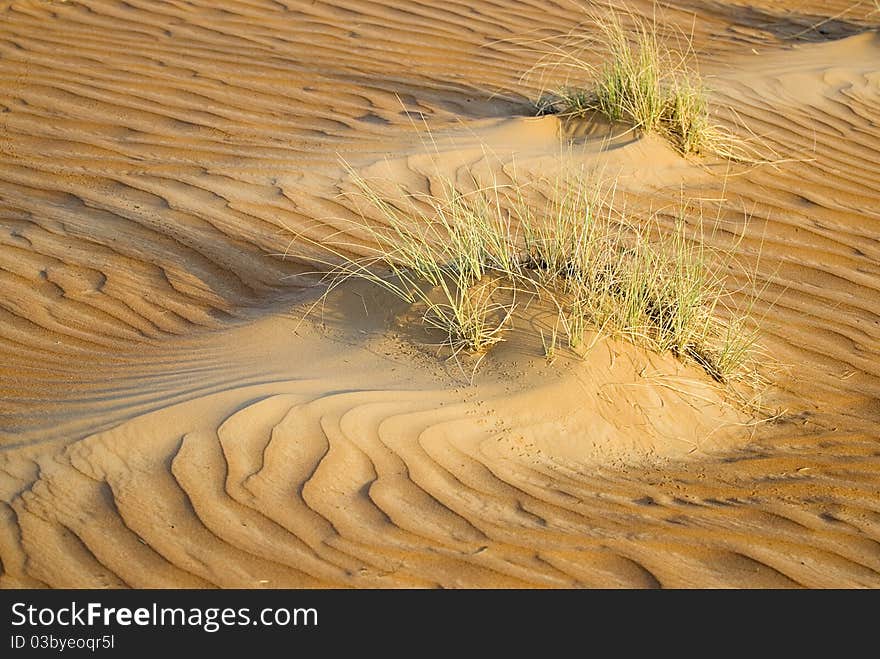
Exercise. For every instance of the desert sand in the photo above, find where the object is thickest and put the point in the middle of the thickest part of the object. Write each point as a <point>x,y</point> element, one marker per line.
<point>170,415</point>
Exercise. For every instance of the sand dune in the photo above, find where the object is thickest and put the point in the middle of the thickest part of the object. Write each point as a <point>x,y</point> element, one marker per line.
<point>170,415</point>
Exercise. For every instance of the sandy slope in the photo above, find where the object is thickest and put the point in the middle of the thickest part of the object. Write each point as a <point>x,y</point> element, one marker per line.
<point>167,417</point>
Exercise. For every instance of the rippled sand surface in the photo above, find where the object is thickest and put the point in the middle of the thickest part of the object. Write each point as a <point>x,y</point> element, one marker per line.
<point>171,417</point>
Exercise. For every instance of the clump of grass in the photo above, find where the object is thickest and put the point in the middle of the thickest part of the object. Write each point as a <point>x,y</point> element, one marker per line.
<point>465,258</point>
<point>642,82</point>
<point>630,84</point>
<point>445,255</point>
<point>653,285</point>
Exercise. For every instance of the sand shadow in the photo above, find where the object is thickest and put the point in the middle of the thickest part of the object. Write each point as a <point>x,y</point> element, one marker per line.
<point>789,26</point>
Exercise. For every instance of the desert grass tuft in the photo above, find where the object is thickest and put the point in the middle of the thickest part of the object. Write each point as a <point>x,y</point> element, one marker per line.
<point>465,259</point>
<point>442,254</point>
<point>642,81</point>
